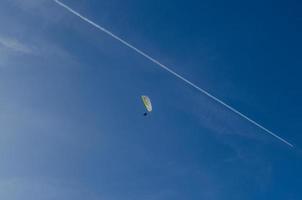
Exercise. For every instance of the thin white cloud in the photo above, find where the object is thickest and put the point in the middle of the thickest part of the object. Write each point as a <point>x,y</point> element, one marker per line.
<point>23,37</point>
<point>14,45</point>
<point>44,189</point>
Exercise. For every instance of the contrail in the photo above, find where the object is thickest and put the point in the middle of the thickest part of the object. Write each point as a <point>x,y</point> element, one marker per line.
<point>170,71</point>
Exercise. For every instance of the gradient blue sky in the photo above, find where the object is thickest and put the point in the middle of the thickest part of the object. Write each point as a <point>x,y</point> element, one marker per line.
<point>71,124</point>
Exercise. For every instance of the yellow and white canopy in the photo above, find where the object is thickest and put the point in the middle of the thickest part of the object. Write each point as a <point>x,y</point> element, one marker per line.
<point>147,103</point>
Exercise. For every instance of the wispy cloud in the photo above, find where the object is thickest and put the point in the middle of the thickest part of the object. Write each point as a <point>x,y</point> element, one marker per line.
<point>14,45</point>
<point>23,188</point>
<point>18,52</point>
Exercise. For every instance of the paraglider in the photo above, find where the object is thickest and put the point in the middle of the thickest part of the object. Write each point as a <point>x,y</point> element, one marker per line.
<point>147,103</point>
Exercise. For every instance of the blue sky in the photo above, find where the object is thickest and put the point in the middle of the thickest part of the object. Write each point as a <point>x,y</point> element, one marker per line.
<point>71,117</point>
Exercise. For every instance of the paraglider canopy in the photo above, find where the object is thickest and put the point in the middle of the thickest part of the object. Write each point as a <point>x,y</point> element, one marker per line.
<point>147,103</point>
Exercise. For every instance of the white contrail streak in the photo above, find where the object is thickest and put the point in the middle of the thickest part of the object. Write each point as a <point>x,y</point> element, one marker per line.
<point>170,71</point>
